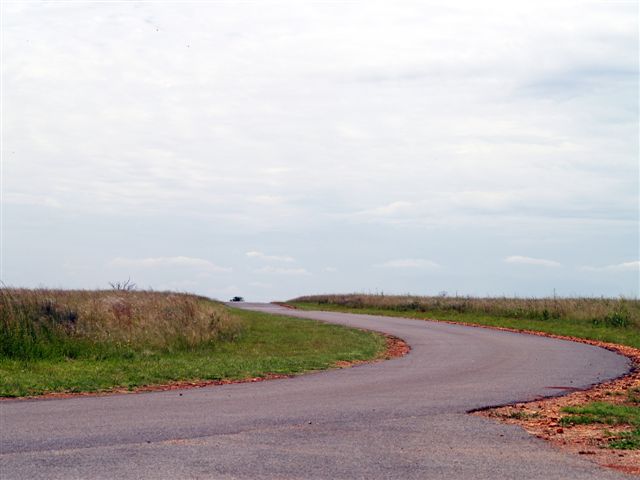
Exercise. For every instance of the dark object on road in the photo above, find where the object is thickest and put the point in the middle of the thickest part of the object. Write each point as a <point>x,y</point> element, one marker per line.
<point>237,299</point>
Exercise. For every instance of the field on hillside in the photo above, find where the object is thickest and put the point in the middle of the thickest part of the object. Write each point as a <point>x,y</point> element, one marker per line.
<point>83,341</point>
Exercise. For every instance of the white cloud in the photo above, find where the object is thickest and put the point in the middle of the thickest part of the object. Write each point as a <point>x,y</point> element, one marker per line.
<point>269,258</point>
<point>28,199</point>
<point>178,285</point>
<point>618,267</point>
<point>223,291</point>
<point>330,269</point>
<point>352,132</point>
<point>276,170</point>
<point>391,209</point>
<point>409,263</point>
<point>113,125</point>
<point>634,265</point>
<point>268,200</point>
<point>282,271</point>
<point>542,262</point>
<point>163,262</point>
<point>417,105</point>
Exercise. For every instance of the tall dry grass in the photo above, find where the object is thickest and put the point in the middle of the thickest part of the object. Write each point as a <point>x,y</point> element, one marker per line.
<point>74,323</point>
<point>613,312</point>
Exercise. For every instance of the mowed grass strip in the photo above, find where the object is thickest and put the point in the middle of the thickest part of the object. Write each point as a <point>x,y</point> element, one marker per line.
<point>252,345</point>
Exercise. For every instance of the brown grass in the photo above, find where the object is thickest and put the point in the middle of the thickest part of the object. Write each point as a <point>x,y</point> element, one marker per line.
<point>39,323</point>
<point>617,312</point>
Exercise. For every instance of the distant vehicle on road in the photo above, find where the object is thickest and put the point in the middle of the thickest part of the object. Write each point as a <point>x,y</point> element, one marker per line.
<point>237,299</point>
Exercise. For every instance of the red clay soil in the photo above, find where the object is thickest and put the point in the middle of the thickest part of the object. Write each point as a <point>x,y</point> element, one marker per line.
<point>395,347</point>
<point>542,417</point>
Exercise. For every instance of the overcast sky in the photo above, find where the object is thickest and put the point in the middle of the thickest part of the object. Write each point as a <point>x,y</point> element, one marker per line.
<point>273,149</point>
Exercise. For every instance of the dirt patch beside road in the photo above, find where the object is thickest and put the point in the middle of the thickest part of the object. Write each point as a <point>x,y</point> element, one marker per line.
<point>542,418</point>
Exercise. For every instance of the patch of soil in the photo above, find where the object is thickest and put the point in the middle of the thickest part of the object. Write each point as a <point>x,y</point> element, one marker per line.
<point>285,305</point>
<point>542,417</point>
<point>396,347</point>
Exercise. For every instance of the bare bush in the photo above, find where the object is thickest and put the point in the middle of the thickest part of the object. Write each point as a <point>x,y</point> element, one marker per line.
<point>125,286</point>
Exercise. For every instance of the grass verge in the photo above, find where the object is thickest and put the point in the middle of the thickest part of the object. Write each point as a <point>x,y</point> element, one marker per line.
<point>261,345</point>
<point>601,412</point>
<point>592,327</point>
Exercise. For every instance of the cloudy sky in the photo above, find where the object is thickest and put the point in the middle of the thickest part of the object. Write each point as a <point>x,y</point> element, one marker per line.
<point>273,149</point>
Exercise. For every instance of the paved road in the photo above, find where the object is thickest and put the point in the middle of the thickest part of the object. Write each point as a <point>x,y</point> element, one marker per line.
<point>404,418</point>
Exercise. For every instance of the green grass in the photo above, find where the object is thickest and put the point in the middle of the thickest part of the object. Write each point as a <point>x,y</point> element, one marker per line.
<point>627,440</point>
<point>522,415</point>
<point>602,412</point>
<point>574,327</point>
<point>608,414</point>
<point>263,344</point>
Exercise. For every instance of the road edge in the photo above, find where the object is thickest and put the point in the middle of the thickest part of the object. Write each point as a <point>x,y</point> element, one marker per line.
<point>547,427</point>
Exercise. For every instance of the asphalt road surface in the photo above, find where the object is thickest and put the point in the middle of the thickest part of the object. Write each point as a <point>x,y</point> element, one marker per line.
<point>403,418</point>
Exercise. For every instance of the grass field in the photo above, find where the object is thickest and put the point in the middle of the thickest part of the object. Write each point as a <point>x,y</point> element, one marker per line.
<point>85,341</point>
<point>604,319</point>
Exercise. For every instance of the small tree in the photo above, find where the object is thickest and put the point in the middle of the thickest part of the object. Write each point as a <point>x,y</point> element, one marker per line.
<point>123,286</point>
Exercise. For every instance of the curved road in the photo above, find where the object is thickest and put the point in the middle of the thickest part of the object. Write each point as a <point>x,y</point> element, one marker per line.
<point>403,418</point>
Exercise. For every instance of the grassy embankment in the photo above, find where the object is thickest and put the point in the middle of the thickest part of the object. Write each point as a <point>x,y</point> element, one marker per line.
<point>84,341</point>
<point>601,319</point>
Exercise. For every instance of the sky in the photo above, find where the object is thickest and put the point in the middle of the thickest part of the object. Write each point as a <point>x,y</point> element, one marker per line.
<point>282,148</point>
